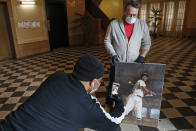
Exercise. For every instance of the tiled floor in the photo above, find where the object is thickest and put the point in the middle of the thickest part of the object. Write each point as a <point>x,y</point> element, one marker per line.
<point>20,78</point>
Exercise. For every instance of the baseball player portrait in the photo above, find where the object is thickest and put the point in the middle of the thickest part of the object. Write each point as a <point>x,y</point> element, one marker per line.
<point>134,100</point>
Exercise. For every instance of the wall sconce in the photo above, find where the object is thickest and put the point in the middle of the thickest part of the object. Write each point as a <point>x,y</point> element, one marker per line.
<point>27,2</point>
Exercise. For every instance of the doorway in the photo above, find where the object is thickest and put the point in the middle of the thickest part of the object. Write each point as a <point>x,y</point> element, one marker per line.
<point>57,23</point>
<point>6,42</point>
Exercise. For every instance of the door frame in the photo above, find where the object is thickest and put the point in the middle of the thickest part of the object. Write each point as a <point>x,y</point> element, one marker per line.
<point>48,26</point>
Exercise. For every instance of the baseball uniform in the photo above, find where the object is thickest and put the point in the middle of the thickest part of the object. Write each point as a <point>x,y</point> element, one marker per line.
<point>134,100</point>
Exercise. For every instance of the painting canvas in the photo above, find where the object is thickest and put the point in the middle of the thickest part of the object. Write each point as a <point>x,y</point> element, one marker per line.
<point>145,100</point>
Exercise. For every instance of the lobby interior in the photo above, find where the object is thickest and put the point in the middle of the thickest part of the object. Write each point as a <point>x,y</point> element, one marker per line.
<point>39,38</point>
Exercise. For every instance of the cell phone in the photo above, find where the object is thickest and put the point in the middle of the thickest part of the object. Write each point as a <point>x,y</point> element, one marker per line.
<point>115,87</point>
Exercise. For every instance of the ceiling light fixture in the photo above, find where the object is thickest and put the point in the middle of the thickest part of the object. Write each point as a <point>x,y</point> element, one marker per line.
<point>27,2</point>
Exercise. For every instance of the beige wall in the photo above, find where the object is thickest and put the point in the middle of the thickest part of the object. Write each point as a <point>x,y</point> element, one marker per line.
<point>35,40</point>
<point>74,6</point>
<point>30,12</point>
<point>112,8</point>
<point>5,50</point>
<point>28,41</point>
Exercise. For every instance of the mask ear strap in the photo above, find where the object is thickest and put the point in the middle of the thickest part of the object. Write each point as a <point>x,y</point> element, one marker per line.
<point>97,81</point>
<point>93,84</point>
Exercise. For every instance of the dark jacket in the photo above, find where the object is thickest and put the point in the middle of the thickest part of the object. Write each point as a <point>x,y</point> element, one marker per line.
<point>61,104</point>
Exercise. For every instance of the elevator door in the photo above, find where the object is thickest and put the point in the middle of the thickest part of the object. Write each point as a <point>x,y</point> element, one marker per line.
<point>5,48</point>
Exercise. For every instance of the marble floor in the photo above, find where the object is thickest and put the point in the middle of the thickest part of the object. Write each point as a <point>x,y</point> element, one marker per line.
<point>19,79</point>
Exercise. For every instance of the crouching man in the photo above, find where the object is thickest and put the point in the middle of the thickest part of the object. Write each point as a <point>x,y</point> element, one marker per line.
<point>64,102</point>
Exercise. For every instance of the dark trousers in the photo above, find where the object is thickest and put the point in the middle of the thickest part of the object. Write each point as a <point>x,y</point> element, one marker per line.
<point>109,101</point>
<point>113,128</point>
<point>118,128</point>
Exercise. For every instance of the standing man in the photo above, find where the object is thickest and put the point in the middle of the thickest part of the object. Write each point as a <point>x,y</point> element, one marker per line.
<point>64,103</point>
<point>127,39</point>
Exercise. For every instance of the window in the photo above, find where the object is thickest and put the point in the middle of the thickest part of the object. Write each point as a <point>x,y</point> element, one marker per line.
<point>143,11</point>
<point>180,16</point>
<point>172,12</point>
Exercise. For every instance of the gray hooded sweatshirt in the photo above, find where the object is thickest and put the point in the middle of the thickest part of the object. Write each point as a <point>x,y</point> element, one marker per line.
<point>116,41</point>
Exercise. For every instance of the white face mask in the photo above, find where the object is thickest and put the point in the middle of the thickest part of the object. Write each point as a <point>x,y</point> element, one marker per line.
<point>94,90</point>
<point>130,20</point>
